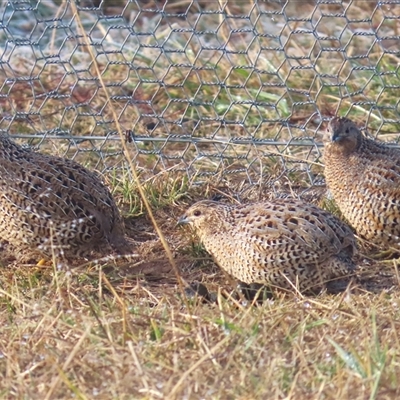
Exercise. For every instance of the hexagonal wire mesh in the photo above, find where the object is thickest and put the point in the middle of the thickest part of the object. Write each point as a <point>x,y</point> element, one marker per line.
<point>205,87</point>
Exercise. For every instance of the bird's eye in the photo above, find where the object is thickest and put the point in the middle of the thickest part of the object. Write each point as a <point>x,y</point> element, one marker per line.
<point>196,213</point>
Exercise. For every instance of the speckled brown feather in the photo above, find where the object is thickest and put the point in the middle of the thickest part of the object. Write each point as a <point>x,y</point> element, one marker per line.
<point>275,242</point>
<point>364,179</point>
<point>49,204</point>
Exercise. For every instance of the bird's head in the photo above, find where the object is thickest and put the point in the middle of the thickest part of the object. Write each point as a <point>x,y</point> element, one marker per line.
<point>343,135</point>
<point>203,215</point>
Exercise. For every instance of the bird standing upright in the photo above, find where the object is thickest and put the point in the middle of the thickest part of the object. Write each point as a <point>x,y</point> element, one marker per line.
<point>364,178</point>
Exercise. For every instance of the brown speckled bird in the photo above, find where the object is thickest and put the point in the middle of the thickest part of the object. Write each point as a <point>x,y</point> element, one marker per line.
<point>284,244</point>
<point>364,178</point>
<point>50,205</point>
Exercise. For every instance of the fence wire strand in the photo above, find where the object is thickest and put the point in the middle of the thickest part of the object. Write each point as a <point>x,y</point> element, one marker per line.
<point>200,87</point>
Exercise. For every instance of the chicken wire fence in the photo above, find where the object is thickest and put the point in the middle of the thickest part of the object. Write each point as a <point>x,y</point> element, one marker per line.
<point>235,89</point>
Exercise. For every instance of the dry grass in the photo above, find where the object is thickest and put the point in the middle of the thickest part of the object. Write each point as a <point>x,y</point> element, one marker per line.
<point>122,329</point>
<point>73,337</point>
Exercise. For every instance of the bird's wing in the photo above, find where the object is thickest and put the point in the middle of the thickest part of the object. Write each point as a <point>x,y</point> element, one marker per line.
<point>382,174</point>
<point>286,238</point>
<point>50,191</point>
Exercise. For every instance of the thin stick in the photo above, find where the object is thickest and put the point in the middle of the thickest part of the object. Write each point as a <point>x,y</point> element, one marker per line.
<point>126,153</point>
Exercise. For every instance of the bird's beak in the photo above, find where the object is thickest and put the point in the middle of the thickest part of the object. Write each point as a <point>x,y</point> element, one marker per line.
<point>336,137</point>
<point>183,220</point>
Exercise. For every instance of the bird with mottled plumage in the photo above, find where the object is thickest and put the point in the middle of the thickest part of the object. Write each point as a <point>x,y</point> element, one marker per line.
<point>363,176</point>
<point>284,243</point>
<point>50,205</point>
